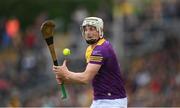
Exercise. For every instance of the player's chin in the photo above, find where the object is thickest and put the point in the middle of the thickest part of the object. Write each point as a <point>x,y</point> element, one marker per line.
<point>92,41</point>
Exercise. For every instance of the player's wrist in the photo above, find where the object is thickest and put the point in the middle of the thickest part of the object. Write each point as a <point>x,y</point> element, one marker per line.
<point>67,75</point>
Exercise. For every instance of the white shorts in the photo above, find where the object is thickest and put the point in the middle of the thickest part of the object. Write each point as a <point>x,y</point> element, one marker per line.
<point>110,103</point>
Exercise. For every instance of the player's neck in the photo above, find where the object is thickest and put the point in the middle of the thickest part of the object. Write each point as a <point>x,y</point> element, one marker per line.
<point>95,44</point>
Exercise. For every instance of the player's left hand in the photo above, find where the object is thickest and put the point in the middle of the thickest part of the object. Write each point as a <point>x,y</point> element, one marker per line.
<point>61,71</point>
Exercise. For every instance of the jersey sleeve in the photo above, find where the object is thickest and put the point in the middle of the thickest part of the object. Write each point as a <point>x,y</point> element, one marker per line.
<point>97,56</point>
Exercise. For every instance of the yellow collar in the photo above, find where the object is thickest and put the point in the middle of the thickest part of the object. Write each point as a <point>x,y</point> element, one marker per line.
<point>101,41</point>
<point>90,49</point>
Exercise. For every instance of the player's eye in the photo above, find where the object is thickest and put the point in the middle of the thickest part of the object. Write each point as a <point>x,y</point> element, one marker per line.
<point>85,28</point>
<point>91,28</point>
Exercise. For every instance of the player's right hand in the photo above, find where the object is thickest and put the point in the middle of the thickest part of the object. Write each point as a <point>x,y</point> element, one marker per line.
<point>61,71</point>
<point>58,79</point>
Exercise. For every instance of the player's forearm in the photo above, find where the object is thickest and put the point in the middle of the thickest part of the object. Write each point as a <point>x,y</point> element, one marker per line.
<point>73,77</point>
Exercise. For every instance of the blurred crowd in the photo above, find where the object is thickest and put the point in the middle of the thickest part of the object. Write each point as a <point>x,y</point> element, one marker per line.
<point>152,59</point>
<point>144,33</point>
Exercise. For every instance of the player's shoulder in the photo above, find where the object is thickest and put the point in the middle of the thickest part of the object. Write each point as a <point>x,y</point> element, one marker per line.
<point>103,44</point>
<point>88,48</point>
<point>102,47</point>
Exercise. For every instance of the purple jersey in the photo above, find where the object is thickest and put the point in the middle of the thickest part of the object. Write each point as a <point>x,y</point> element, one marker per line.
<point>107,83</point>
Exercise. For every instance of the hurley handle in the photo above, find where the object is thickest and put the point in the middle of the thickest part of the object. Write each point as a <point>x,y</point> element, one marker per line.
<point>61,86</point>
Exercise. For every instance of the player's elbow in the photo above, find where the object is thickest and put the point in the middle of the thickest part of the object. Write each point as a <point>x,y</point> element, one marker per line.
<point>85,78</point>
<point>85,81</point>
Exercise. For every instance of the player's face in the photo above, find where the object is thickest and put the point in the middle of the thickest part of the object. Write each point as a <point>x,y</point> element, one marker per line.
<point>91,34</point>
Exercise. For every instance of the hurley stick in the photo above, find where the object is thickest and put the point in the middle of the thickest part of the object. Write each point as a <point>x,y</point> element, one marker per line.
<point>47,30</point>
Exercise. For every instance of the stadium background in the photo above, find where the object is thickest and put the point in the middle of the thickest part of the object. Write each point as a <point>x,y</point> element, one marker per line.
<point>144,33</point>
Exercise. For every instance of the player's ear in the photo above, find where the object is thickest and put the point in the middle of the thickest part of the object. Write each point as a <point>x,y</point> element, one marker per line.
<point>101,33</point>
